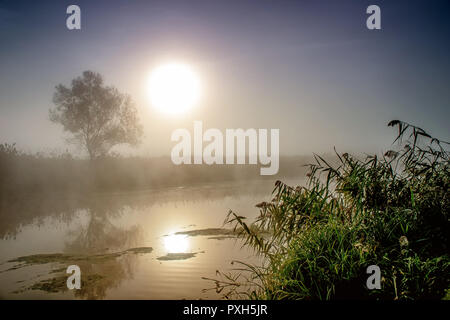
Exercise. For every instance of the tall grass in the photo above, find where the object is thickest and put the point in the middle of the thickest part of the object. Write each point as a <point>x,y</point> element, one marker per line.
<point>317,241</point>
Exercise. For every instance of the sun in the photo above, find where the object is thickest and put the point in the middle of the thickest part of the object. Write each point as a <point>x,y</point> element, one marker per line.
<point>174,88</point>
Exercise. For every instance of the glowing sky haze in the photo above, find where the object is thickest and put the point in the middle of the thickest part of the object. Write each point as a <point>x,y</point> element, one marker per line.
<point>309,68</point>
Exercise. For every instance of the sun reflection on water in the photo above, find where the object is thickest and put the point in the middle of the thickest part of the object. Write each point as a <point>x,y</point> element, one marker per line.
<point>176,243</point>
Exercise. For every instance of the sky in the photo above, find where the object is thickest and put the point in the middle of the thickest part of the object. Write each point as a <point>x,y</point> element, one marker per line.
<point>309,68</point>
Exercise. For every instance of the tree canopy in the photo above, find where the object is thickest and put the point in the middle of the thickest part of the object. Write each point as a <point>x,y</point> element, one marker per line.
<point>98,116</point>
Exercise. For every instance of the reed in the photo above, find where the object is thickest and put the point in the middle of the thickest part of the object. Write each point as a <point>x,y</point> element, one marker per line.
<point>391,211</point>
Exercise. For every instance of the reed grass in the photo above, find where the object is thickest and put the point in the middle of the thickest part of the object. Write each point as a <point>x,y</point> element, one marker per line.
<point>391,211</point>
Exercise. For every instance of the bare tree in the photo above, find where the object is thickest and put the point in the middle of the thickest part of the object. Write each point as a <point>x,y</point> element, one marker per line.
<point>98,116</point>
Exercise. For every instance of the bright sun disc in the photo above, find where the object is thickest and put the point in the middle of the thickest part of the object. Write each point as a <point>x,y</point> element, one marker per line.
<point>174,88</point>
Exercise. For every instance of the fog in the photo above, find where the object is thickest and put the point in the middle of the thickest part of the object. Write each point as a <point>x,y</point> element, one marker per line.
<point>90,171</point>
<point>317,75</point>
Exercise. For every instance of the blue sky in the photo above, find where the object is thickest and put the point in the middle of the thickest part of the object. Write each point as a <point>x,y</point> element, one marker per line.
<point>309,68</point>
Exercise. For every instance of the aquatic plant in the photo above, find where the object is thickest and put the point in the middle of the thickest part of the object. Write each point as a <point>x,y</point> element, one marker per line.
<point>391,211</point>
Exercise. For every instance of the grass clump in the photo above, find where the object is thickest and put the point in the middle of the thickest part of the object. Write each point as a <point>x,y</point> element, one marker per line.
<point>391,211</point>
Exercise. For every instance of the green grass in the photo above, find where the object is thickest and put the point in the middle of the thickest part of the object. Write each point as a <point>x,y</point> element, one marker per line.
<point>391,211</point>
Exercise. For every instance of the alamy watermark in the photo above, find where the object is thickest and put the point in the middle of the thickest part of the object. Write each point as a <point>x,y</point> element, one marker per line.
<point>374,280</point>
<point>373,22</point>
<point>73,21</point>
<point>232,150</point>
<point>74,280</point>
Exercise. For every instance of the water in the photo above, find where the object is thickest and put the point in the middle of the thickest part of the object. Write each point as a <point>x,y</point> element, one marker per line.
<point>95,233</point>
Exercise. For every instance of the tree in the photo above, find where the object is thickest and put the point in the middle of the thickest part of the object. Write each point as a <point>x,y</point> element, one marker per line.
<point>99,117</point>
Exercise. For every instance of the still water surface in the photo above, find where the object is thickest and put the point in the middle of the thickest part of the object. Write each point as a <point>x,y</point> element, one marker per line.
<point>154,244</point>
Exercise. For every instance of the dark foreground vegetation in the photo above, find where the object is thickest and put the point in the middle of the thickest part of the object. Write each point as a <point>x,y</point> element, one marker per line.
<point>392,212</point>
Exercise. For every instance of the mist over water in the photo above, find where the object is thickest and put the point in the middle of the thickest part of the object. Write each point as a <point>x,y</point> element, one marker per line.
<point>109,223</point>
<point>127,133</point>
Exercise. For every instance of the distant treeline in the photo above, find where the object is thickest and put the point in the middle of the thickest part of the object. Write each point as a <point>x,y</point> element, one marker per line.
<point>37,173</point>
